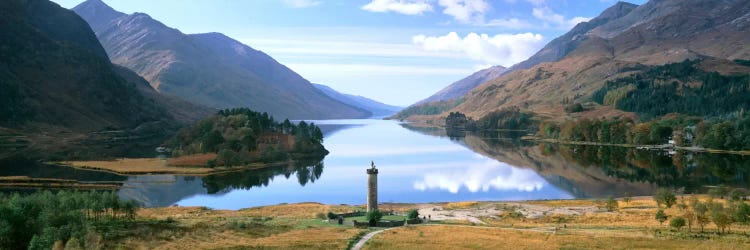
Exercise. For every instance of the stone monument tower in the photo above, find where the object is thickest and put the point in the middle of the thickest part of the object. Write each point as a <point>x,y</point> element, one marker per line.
<point>372,187</point>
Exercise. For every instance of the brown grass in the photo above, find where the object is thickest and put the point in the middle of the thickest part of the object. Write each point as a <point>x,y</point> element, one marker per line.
<point>299,210</point>
<point>292,226</point>
<point>134,166</point>
<point>463,237</point>
<point>196,160</point>
<point>137,166</point>
<point>460,205</point>
<point>277,227</point>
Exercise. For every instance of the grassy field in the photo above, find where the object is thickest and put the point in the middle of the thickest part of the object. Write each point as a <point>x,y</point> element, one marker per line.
<point>386,217</point>
<point>472,237</point>
<point>631,226</point>
<point>294,226</point>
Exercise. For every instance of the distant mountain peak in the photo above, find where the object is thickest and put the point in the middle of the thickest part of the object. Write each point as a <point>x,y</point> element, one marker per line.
<point>97,7</point>
<point>210,69</point>
<point>463,86</point>
<point>99,11</point>
<point>618,10</point>
<point>562,45</point>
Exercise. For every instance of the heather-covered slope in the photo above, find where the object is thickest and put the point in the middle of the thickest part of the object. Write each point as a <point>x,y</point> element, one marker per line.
<point>463,86</point>
<point>656,33</point>
<point>209,69</point>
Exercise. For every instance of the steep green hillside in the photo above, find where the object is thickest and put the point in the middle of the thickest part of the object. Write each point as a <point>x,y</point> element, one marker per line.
<point>53,72</point>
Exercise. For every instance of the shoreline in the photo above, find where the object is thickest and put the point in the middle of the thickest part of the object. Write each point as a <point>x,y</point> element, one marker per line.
<point>156,166</point>
<point>647,147</point>
<point>25,182</point>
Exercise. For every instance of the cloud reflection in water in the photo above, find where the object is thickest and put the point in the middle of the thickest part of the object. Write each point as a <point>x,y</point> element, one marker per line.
<point>482,176</point>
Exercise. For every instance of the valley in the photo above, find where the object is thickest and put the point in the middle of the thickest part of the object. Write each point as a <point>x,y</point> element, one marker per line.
<point>347,125</point>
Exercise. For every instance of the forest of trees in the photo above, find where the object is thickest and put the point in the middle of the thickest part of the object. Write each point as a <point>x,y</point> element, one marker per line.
<point>43,219</point>
<point>728,133</point>
<point>677,88</point>
<point>504,119</point>
<point>721,133</point>
<point>233,134</point>
<point>676,101</point>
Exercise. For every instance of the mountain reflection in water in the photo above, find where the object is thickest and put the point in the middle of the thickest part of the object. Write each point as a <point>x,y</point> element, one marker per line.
<point>427,164</point>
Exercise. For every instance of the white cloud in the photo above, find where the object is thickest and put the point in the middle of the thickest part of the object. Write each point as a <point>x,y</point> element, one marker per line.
<point>546,14</point>
<point>501,49</point>
<point>406,7</point>
<point>301,3</point>
<point>465,11</point>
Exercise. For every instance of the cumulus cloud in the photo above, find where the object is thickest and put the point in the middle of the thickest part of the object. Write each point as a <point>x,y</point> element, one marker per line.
<point>547,15</point>
<point>465,11</point>
<point>301,3</point>
<point>406,7</point>
<point>501,49</point>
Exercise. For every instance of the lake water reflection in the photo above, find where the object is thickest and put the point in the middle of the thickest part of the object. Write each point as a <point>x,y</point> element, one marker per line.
<point>424,164</point>
<point>414,167</point>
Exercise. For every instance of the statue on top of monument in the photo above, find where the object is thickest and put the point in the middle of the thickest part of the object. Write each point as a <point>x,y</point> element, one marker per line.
<point>372,164</point>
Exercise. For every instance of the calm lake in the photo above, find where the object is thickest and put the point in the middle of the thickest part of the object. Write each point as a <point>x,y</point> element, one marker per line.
<point>422,164</point>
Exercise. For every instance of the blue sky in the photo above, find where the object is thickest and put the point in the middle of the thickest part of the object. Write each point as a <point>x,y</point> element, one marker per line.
<point>394,51</point>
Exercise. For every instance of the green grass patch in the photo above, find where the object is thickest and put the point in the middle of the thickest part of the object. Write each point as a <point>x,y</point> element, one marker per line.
<point>385,217</point>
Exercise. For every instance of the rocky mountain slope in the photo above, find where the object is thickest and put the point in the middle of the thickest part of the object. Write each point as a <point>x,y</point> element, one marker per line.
<point>463,86</point>
<point>209,69</point>
<point>378,109</point>
<point>54,73</point>
<point>624,40</point>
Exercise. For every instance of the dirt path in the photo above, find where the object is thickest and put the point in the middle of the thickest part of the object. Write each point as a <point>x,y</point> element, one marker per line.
<point>364,239</point>
<point>367,237</point>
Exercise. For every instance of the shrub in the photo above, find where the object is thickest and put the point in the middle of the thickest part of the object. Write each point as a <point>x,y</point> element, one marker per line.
<point>742,213</point>
<point>331,215</point>
<point>701,215</point>
<point>661,216</point>
<point>611,204</point>
<point>718,192</point>
<point>574,108</point>
<point>374,216</point>
<point>666,197</point>
<point>677,223</point>
<point>413,214</point>
<point>737,194</point>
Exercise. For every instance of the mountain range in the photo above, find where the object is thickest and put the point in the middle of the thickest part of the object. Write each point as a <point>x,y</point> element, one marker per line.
<point>378,109</point>
<point>55,74</point>
<point>463,86</point>
<point>210,69</point>
<point>623,40</point>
